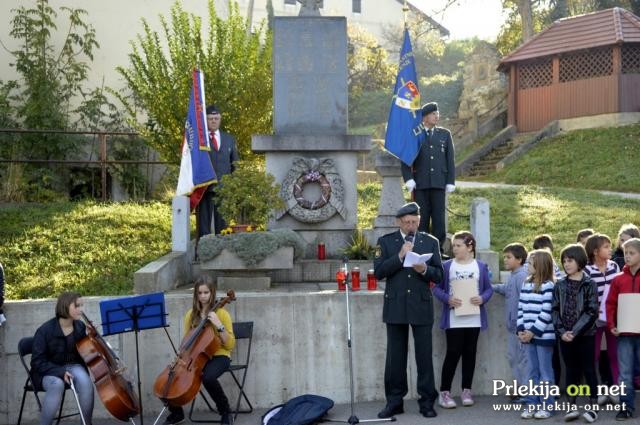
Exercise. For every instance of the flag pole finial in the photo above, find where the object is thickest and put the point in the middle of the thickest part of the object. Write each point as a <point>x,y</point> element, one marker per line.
<point>405,9</point>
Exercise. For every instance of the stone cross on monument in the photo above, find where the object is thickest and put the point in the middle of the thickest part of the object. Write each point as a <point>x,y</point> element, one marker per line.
<point>310,153</point>
<point>309,8</point>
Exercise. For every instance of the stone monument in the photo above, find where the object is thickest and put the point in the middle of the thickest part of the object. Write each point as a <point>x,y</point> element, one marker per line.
<point>310,153</point>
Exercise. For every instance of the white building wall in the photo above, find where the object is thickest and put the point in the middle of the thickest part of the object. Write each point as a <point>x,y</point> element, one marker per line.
<point>118,22</point>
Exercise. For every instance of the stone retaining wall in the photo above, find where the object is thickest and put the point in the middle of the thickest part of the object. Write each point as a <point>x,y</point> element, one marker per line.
<point>299,347</point>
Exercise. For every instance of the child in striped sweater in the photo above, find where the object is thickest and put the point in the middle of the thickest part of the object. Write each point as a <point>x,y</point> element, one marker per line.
<point>602,271</point>
<point>535,328</point>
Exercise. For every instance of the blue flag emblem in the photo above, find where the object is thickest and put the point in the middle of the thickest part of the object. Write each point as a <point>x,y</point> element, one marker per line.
<point>404,124</point>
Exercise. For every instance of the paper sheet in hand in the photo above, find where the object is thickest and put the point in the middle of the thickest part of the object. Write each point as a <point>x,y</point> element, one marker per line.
<point>412,258</point>
<point>629,313</point>
<point>465,289</point>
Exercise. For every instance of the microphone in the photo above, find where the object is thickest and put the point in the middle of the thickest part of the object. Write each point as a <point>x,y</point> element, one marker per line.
<point>409,237</point>
<point>345,267</point>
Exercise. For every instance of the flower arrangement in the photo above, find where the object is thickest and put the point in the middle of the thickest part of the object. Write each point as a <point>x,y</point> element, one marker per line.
<point>249,195</point>
<point>252,247</point>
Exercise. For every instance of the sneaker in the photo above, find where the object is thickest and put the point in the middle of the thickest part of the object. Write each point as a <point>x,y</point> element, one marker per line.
<point>590,416</point>
<point>526,414</point>
<point>571,416</point>
<point>623,415</point>
<point>467,400</point>
<point>603,399</point>
<point>615,399</point>
<point>175,418</point>
<point>445,400</point>
<point>542,414</point>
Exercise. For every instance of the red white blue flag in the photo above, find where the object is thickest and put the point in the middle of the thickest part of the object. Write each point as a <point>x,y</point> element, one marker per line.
<point>196,171</point>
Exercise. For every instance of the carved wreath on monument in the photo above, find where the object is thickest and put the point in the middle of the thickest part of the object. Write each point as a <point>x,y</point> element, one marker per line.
<point>312,171</point>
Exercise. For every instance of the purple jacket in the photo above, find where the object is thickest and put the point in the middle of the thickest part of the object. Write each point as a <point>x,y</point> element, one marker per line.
<point>441,291</point>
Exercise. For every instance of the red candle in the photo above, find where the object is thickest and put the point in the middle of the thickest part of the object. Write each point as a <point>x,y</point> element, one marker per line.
<point>341,277</point>
<point>355,279</point>
<point>372,283</point>
<point>321,251</point>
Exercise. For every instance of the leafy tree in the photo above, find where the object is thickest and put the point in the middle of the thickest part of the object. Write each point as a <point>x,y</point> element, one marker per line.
<point>237,68</point>
<point>50,78</point>
<point>369,75</point>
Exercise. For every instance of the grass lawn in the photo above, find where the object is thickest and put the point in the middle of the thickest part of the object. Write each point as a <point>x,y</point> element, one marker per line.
<point>518,215</point>
<point>604,159</point>
<point>95,248</point>
<point>85,246</point>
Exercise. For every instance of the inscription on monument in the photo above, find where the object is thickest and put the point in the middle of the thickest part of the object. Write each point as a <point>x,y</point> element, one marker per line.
<point>310,79</point>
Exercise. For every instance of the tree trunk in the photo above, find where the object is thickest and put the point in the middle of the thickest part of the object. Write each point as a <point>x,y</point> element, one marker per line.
<point>526,15</point>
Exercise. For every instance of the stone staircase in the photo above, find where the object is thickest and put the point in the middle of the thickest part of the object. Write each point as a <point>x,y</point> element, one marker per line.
<point>487,163</point>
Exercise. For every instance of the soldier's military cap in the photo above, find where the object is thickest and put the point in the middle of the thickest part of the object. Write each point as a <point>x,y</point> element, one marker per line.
<point>212,110</point>
<point>408,209</point>
<point>428,108</point>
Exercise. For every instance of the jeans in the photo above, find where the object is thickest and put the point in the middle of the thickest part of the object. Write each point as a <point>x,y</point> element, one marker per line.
<point>578,359</point>
<point>54,388</point>
<point>517,356</point>
<point>628,357</point>
<point>540,369</point>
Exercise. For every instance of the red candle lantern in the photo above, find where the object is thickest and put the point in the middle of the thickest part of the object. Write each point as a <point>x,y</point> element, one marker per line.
<point>372,283</point>
<point>355,279</point>
<point>341,277</point>
<point>322,255</point>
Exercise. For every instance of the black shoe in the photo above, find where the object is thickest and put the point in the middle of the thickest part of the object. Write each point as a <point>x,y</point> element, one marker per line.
<point>226,419</point>
<point>389,411</point>
<point>623,415</point>
<point>175,418</point>
<point>428,412</point>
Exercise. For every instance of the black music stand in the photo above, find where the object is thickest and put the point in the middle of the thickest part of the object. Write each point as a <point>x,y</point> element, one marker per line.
<point>134,314</point>
<point>353,419</point>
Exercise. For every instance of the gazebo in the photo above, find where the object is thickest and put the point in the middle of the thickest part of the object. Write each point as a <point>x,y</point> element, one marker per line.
<point>578,66</point>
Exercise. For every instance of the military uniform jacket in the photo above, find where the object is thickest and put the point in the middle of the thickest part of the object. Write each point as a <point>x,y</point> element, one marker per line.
<point>434,166</point>
<point>407,296</point>
<point>223,159</point>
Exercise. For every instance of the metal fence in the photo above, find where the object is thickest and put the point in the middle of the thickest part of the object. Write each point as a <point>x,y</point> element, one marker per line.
<point>103,161</point>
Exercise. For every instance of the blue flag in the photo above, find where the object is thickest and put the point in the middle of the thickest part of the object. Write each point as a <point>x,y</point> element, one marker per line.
<point>405,117</point>
<point>196,171</point>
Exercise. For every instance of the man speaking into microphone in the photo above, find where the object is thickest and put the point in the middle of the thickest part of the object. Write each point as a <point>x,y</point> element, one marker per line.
<point>408,301</point>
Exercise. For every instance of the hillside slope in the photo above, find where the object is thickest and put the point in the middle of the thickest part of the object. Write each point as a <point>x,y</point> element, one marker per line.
<point>598,159</point>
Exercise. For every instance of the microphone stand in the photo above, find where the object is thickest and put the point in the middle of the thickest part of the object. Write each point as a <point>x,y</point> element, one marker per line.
<point>353,419</point>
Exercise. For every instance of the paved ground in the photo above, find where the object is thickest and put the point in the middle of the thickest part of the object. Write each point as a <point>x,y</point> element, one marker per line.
<point>472,184</point>
<point>483,412</point>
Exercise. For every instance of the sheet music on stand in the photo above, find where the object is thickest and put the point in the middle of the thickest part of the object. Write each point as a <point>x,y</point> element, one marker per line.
<point>133,314</point>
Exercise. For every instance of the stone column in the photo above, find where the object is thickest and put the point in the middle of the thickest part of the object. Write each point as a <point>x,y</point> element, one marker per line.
<point>391,197</point>
<point>481,228</point>
<point>180,225</point>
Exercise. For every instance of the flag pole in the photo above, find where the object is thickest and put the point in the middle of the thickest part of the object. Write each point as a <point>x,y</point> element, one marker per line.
<point>405,9</point>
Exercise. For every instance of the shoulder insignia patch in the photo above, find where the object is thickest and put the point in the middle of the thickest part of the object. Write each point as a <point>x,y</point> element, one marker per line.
<point>378,251</point>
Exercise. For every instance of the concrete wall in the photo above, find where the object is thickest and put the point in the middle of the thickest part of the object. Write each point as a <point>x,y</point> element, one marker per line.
<point>299,347</point>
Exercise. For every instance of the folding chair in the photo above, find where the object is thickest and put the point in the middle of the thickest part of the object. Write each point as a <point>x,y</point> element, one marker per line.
<point>25,347</point>
<point>243,332</point>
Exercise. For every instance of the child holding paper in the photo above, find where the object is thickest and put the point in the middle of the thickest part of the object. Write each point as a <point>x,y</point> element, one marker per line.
<point>462,330</point>
<point>626,283</point>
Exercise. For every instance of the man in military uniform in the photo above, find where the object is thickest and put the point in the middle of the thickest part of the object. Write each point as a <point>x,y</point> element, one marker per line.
<point>408,301</point>
<point>224,154</point>
<point>433,172</point>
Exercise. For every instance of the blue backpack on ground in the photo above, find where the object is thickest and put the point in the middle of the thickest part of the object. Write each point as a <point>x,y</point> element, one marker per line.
<point>306,409</point>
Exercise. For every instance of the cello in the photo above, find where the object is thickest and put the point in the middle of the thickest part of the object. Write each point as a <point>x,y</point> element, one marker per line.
<point>180,381</point>
<point>116,392</point>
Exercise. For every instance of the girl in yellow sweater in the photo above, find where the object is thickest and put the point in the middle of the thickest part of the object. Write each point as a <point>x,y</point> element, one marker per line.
<point>204,295</point>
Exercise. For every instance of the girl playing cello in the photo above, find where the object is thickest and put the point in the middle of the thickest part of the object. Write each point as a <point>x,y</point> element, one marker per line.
<point>204,295</point>
<point>55,359</point>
